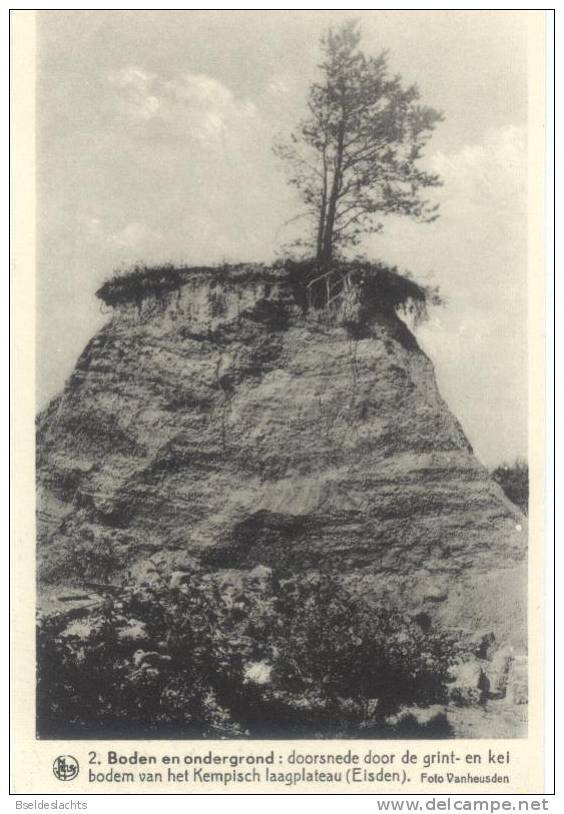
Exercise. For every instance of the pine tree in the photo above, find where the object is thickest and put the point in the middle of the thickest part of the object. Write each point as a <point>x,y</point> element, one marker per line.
<point>355,157</point>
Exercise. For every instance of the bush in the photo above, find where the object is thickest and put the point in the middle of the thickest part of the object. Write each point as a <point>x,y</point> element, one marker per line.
<point>514,480</point>
<point>381,288</point>
<point>191,657</point>
<point>139,283</point>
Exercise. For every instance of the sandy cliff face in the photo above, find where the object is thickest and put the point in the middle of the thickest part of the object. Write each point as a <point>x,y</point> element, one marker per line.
<point>220,421</point>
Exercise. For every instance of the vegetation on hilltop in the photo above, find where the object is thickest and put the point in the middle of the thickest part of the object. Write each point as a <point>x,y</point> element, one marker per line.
<point>379,286</point>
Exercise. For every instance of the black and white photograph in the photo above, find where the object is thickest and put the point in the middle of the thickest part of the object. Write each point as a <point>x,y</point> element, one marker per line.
<point>282,377</point>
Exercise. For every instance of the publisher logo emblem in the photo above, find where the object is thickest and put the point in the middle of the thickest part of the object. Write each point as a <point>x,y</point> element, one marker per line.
<point>65,767</point>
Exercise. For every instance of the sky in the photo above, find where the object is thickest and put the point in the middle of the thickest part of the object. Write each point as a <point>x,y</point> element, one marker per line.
<point>154,143</point>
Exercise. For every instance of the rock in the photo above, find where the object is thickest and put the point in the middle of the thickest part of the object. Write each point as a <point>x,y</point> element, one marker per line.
<point>258,672</point>
<point>151,672</point>
<point>497,672</point>
<point>422,722</point>
<point>232,588</point>
<point>481,642</point>
<point>518,682</point>
<point>469,683</point>
<point>372,705</point>
<point>150,659</point>
<point>135,631</point>
<point>260,574</point>
<point>232,580</point>
<point>75,597</point>
<point>178,579</point>
<point>436,592</point>
<point>81,628</point>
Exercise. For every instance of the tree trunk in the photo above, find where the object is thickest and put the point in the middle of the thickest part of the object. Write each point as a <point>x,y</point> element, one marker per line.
<point>327,250</point>
<point>322,213</point>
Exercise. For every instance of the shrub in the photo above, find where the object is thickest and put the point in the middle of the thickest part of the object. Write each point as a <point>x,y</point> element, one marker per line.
<point>381,288</point>
<point>191,658</point>
<point>138,283</point>
<point>514,480</point>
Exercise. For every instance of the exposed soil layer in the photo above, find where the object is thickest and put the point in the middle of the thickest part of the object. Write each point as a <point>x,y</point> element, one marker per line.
<point>222,420</point>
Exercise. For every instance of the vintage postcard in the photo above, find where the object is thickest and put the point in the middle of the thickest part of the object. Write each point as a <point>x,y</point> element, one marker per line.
<point>278,426</point>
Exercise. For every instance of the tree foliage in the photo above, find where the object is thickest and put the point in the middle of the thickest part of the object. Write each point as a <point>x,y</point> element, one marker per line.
<point>355,157</point>
<point>514,480</point>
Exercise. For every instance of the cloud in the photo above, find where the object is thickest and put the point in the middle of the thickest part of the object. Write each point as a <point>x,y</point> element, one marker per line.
<point>279,86</point>
<point>482,269</point>
<point>194,104</point>
<point>127,241</point>
<point>487,180</point>
<point>134,86</point>
<point>136,236</point>
<point>476,252</point>
<point>502,149</point>
<point>478,246</point>
<point>484,212</point>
